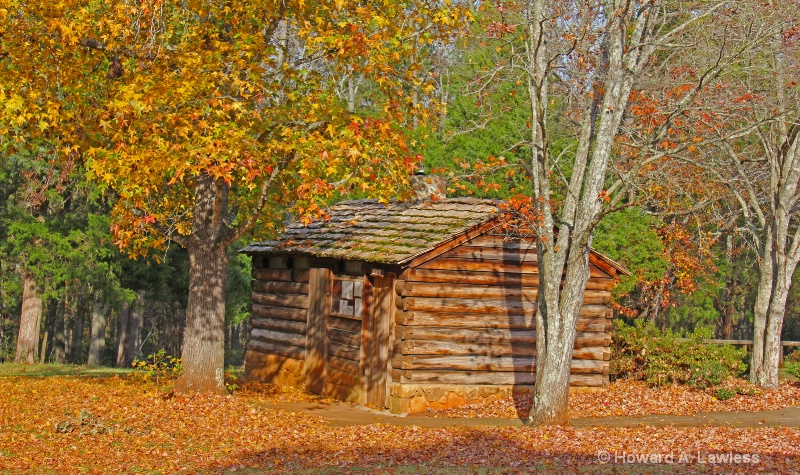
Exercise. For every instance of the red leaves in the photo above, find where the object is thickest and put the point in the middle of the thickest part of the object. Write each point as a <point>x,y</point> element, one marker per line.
<point>682,70</point>
<point>497,29</point>
<point>691,260</point>
<point>791,35</point>
<point>746,97</point>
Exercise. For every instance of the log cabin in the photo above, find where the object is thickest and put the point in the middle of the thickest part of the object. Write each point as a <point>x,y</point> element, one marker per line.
<point>410,306</point>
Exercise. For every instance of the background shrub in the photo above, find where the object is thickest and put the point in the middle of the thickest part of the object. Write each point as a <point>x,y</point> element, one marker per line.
<point>159,366</point>
<point>791,364</point>
<point>645,353</point>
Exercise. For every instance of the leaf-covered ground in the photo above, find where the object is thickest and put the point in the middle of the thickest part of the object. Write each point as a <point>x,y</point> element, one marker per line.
<point>634,398</point>
<point>119,425</point>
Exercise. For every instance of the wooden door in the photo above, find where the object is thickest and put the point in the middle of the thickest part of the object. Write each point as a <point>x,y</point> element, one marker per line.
<point>377,341</point>
<point>343,374</point>
<point>319,308</point>
<point>348,338</point>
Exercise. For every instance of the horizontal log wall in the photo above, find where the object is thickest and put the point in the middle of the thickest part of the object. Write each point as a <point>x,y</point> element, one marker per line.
<point>468,317</point>
<point>278,322</point>
<point>277,347</point>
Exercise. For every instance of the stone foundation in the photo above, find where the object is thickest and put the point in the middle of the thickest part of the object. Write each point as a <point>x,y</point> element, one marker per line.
<point>417,398</point>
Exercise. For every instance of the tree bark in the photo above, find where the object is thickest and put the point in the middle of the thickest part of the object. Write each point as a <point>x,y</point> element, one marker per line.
<point>122,333</point>
<point>66,343</point>
<point>97,341</point>
<point>135,319</point>
<point>59,355</point>
<point>779,237</point>
<point>30,321</point>
<point>726,332</point>
<point>725,302</point>
<point>48,339</point>
<point>760,315</point>
<point>76,341</point>
<point>563,247</point>
<point>129,324</point>
<point>775,281</point>
<point>203,355</point>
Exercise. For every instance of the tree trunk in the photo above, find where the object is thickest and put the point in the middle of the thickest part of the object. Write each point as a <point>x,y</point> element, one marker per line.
<point>48,339</point>
<point>68,330</point>
<point>176,333</point>
<point>97,340</point>
<point>43,351</point>
<point>773,292</point>
<point>725,302</point>
<point>59,356</point>
<point>234,343</point>
<point>559,307</point>
<point>550,405</point>
<point>352,88</point>
<point>4,348</point>
<point>30,321</point>
<point>122,334</point>
<point>780,233</point>
<point>135,319</point>
<point>237,337</point>
<point>563,243</point>
<point>727,322</point>
<point>656,312</point>
<point>203,355</point>
<point>130,320</point>
<point>779,256</point>
<point>726,306</point>
<point>76,342</point>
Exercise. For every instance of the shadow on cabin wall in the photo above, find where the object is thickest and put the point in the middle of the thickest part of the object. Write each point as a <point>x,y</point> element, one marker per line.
<point>521,321</point>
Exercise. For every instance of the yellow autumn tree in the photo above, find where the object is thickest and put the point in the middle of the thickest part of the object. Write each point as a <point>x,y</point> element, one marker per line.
<point>47,85</point>
<point>221,117</point>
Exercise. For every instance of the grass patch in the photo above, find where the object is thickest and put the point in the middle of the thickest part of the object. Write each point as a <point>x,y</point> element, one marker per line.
<point>49,370</point>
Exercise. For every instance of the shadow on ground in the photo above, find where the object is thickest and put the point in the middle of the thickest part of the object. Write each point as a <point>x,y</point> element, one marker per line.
<point>475,451</point>
<point>47,370</point>
<point>342,415</point>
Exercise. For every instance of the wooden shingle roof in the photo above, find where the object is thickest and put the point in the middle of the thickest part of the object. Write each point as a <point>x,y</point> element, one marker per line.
<point>396,233</point>
<point>376,232</point>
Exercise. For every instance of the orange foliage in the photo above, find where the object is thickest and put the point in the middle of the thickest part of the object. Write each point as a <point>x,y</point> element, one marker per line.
<point>114,425</point>
<point>520,216</point>
<point>688,258</point>
<point>635,398</point>
<point>476,173</point>
<point>160,95</point>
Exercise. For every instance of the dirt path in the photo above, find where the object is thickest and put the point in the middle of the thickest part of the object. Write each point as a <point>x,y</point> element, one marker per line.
<point>340,414</point>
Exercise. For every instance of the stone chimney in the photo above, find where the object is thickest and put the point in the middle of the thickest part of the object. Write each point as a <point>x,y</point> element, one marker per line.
<point>428,187</point>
